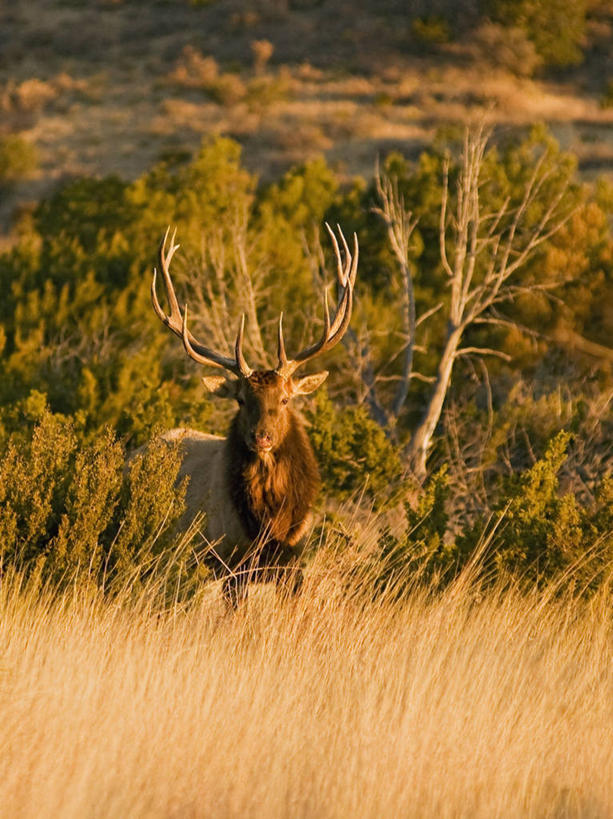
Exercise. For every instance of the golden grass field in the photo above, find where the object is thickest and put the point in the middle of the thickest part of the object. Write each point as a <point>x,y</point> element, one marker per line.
<point>331,704</point>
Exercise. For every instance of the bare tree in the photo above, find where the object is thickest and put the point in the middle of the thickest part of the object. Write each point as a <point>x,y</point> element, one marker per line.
<point>481,252</point>
<point>374,382</point>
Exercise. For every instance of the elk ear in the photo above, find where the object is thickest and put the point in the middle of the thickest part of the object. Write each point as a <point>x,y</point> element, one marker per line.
<point>220,386</point>
<point>309,383</point>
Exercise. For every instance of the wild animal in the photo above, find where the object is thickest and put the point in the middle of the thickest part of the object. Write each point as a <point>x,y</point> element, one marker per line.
<point>256,487</point>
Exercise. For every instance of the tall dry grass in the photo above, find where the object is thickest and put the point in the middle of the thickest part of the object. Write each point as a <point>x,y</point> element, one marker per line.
<point>333,704</point>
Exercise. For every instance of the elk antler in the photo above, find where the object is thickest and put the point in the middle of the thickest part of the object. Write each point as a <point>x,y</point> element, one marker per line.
<point>178,323</point>
<point>334,329</point>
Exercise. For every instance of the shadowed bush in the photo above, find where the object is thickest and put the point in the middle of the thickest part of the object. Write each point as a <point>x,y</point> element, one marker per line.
<point>536,535</point>
<point>354,455</point>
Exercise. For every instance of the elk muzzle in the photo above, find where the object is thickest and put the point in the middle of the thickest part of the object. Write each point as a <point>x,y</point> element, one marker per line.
<point>263,441</point>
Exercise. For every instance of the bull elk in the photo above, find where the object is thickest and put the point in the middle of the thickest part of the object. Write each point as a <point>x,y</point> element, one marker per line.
<point>256,487</point>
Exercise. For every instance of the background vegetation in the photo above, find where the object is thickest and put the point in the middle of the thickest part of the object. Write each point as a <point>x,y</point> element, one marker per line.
<point>87,372</point>
<point>454,627</point>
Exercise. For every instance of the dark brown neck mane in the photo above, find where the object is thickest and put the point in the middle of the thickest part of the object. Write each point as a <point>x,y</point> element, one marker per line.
<point>273,494</point>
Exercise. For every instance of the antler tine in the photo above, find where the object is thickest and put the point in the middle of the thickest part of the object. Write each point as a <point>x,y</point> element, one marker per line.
<point>281,354</point>
<point>340,273</point>
<point>175,312</point>
<point>186,343</point>
<point>326,331</point>
<point>347,267</point>
<point>286,365</point>
<point>244,368</point>
<point>345,279</point>
<point>177,322</point>
<point>356,255</point>
<point>238,366</point>
<point>347,270</point>
<point>173,248</point>
<point>154,298</point>
<point>333,329</point>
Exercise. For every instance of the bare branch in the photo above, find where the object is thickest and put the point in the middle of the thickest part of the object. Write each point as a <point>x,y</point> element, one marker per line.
<point>247,291</point>
<point>427,379</point>
<point>481,351</point>
<point>400,225</point>
<point>425,316</point>
<point>443,219</point>
<point>362,362</point>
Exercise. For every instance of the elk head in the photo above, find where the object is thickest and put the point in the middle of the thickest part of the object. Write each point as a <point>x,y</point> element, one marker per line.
<point>263,396</point>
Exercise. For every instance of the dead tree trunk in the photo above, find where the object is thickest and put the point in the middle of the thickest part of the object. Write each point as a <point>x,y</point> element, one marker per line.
<point>480,252</point>
<point>421,439</point>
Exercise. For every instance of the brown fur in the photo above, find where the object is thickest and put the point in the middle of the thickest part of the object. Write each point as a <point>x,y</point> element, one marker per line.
<point>273,492</point>
<point>257,486</point>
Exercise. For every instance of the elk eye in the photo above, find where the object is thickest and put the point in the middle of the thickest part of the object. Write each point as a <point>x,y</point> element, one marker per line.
<point>284,400</point>
<point>240,402</point>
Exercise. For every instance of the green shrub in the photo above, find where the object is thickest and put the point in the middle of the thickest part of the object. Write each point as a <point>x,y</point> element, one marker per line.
<point>80,224</point>
<point>18,159</point>
<point>556,27</point>
<point>69,506</point>
<point>544,532</point>
<point>149,504</point>
<point>353,453</point>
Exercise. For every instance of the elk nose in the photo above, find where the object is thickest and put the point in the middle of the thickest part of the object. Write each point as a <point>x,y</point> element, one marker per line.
<point>263,442</point>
